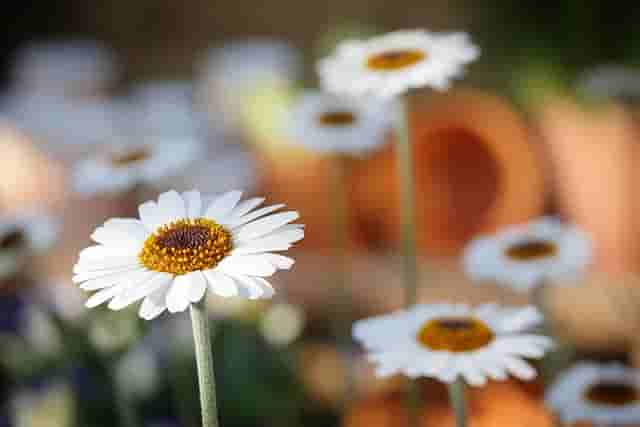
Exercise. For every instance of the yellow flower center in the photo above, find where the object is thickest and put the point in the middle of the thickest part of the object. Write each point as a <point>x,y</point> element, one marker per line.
<point>455,334</point>
<point>186,245</point>
<point>612,394</point>
<point>531,250</point>
<point>337,118</point>
<point>393,60</point>
<point>12,240</point>
<point>130,157</point>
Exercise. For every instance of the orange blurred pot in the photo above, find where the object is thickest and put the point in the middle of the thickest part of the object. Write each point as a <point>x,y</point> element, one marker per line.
<point>591,153</point>
<point>475,171</point>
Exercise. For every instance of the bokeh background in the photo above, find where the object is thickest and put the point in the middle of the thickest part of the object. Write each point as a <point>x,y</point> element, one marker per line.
<point>524,135</point>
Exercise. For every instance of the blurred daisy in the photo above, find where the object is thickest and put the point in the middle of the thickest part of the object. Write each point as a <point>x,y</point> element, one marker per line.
<point>67,68</point>
<point>524,256</point>
<point>23,236</point>
<point>183,245</point>
<point>603,394</point>
<point>282,324</point>
<point>392,64</point>
<point>128,165</point>
<point>445,342</point>
<point>327,123</point>
<point>612,82</point>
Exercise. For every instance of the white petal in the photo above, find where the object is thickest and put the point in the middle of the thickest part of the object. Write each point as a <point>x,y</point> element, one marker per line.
<point>103,296</point>
<point>221,284</point>
<point>172,206</point>
<point>266,225</point>
<point>277,242</point>
<point>129,238</point>
<point>106,281</point>
<point>519,368</point>
<point>245,207</point>
<point>90,275</point>
<point>100,252</point>
<point>236,222</point>
<point>197,287</point>
<point>279,261</point>
<point>177,297</point>
<point>109,263</point>
<point>141,290</point>
<point>193,201</point>
<point>223,205</point>
<point>154,304</point>
<point>150,215</point>
<point>252,265</point>
<point>254,289</point>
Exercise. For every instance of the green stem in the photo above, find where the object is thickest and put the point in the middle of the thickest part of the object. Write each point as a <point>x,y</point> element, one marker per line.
<point>405,167</point>
<point>204,360</point>
<point>457,397</point>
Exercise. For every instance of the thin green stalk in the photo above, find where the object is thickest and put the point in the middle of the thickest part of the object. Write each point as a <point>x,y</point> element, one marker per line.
<point>342,321</point>
<point>204,361</point>
<point>405,167</point>
<point>457,398</point>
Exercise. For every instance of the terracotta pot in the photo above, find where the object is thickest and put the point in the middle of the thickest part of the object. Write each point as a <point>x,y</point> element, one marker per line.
<point>591,152</point>
<point>475,171</point>
<point>497,404</point>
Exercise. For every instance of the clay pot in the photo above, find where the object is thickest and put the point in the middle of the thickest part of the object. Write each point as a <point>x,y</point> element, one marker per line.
<point>497,404</point>
<point>475,171</point>
<point>591,152</point>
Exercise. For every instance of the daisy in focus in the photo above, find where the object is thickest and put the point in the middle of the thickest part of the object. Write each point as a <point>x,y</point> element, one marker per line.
<point>183,245</point>
<point>125,166</point>
<point>524,256</point>
<point>604,394</point>
<point>445,341</point>
<point>327,123</point>
<point>391,64</point>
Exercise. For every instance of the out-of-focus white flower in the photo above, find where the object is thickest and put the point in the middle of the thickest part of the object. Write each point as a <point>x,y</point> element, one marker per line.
<point>603,394</point>
<point>231,75</point>
<point>448,342</point>
<point>327,123</point>
<point>110,332</point>
<point>48,405</point>
<point>393,63</point>
<point>612,82</point>
<point>41,334</point>
<point>183,245</point>
<point>65,299</point>
<point>137,372</point>
<point>524,256</point>
<point>282,324</point>
<point>69,68</point>
<point>129,164</point>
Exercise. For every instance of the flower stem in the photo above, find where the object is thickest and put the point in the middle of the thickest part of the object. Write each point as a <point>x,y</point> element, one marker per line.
<point>405,167</point>
<point>204,360</point>
<point>456,395</point>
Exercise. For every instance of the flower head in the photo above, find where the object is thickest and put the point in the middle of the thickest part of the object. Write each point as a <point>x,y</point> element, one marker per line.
<point>330,124</point>
<point>524,256</point>
<point>604,394</point>
<point>445,342</point>
<point>391,64</point>
<point>183,245</point>
<point>128,165</point>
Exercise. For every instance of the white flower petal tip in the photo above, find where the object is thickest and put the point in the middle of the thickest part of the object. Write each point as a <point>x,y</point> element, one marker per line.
<point>601,394</point>
<point>326,123</point>
<point>391,64</point>
<point>526,256</point>
<point>447,342</point>
<point>134,260</point>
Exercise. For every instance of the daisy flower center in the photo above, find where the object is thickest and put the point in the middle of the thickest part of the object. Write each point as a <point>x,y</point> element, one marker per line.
<point>130,157</point>
<point>337,118</point>
<point>186,245</point>
<point>455,334</point>
<point>531,250</point>
<point>393,60</point>
<point>612,394</point>
<point>12,240</point>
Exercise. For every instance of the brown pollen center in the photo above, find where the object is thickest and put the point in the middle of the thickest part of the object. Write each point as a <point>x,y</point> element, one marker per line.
<point>531,250</point>
<point>130,157</point>
<point>186,245</point>
<point>393,60</point>
<point>337,118</point>
<point>612,394</point>
<point>455,334</point>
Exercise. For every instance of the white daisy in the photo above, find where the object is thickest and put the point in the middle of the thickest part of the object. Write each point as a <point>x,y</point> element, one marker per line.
<point>526,255</point>
<point>330,124</point>
<point>22,236</point>
<point>446,341</point>
<point>392,64</point>
<point>68,68</point>
<point>612,81</point>
<point>127,165</point>
<point>183,245</point>
<point>604,394</point>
